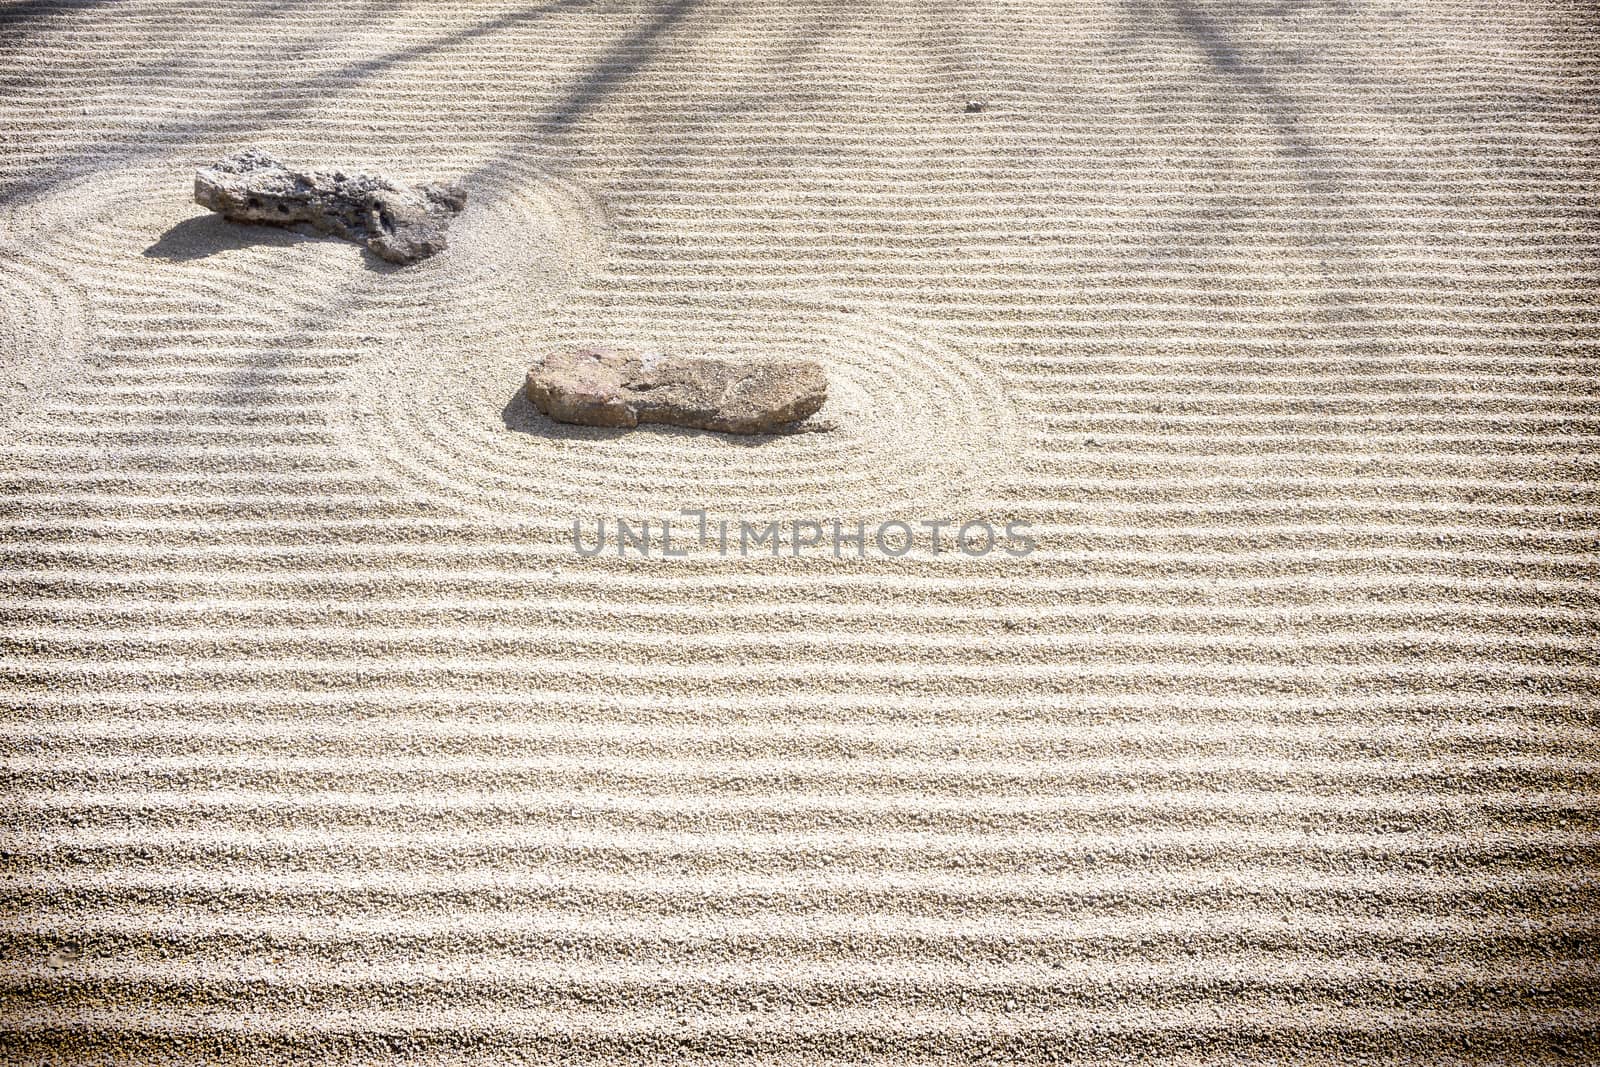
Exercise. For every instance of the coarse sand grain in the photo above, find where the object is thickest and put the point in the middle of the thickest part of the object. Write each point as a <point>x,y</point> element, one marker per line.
<point>1274,323</point>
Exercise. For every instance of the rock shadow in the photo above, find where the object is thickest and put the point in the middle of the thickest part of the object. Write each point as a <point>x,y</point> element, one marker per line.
<point>201,236</point>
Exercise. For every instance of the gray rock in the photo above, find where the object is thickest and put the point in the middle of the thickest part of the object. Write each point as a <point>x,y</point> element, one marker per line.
<point>607,387</point>
<point>401,223</point>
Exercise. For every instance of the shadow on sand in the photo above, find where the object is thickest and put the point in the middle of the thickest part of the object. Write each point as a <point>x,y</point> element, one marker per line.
<point>205,235</point>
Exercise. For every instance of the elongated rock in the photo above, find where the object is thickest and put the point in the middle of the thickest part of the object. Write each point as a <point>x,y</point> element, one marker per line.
<point>401,223</point>
<point>608,387</point>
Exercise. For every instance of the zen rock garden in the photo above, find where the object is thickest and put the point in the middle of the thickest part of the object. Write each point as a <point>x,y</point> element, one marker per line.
<point>593,387</point>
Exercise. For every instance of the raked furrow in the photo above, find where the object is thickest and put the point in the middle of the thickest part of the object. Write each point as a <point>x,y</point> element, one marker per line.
<point>1274,326</point>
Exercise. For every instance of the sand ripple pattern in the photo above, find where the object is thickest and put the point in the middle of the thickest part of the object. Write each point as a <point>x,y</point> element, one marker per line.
<point>44,331</point>
<point>921,424</point>
<point>1277,322</point>
<point>525,241</point>
<point>146,255</point>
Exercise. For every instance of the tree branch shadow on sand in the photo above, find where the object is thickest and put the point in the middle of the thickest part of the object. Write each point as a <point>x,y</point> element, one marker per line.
<point>267,105</point>
<point>25,13</point>
<point>1312,162</point>
<point>619,63</point>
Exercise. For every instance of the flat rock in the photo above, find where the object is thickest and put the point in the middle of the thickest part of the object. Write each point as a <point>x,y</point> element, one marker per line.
<point>401,223</point>
<point>610,387</point>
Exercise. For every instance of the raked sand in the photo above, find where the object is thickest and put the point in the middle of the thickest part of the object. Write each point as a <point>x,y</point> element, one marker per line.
<point>1277,322</point>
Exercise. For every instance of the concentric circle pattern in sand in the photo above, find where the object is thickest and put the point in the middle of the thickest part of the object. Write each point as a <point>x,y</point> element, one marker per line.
<point>525,241</point>
<point>1277,323</point>
<point>918,426</point>
<point>131,239</point>
<point>43,335</point>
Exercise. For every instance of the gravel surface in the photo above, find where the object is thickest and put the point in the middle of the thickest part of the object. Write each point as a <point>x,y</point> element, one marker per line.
<point>1274,323</point>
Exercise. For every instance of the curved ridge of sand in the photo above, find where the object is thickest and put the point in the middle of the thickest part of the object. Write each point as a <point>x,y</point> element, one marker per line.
<point>1277,323</point>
